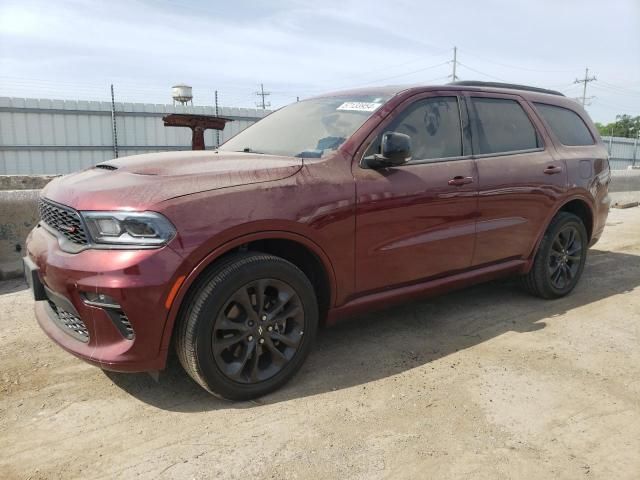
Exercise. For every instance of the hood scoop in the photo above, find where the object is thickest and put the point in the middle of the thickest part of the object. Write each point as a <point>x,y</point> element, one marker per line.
<point>106,166</point>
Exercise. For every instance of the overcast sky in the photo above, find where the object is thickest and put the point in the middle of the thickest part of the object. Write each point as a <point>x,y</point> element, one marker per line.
<point>76,48</point>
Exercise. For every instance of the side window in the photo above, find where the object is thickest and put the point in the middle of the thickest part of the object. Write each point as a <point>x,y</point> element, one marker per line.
<point>566,124</point>
<point>434,127</point>
<point>502,126</point>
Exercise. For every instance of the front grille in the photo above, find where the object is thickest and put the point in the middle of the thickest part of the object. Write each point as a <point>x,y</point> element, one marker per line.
<point>74,325</point>
<point>64,220</point>
<point>106,167</point>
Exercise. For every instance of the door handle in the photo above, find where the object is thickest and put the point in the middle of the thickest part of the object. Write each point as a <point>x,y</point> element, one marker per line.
<point>460,180</point>
<point>552,169</point>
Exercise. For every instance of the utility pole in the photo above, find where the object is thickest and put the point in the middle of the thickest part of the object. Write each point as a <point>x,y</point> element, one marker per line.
<point>114,128</point>
<point>585,80</point>
<point>217,131</point>
<point>455,63</point>
<point>263,94</point>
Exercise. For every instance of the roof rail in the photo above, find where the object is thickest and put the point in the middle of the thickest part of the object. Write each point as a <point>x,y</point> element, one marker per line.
<point>511,86</point>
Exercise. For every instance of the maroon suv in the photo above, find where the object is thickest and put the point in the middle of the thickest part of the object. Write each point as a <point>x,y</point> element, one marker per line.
<point>325,208</point>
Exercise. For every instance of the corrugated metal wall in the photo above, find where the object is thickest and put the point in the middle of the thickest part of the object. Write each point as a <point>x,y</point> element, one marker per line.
<point>41,136</point>
<point>623,152</point>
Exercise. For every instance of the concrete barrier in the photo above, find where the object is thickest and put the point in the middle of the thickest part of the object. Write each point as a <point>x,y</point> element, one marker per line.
<point>18,215</point>
<point>625,180</point>
<point>24,182</point>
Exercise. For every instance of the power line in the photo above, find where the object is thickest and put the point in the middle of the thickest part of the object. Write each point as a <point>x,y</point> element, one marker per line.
<point>607,87</point>
<point>517,67</point>
<point>585,81</point>
<point>612,106</point>
<point>130,90</point>
<point>349,86</point>
<point>446,77</point>
<point>624,89</point>
<point>563,86</point>
<point>398,65</point>
<point>585,102</point>
<point>400,75</point>
<point>482,73</point>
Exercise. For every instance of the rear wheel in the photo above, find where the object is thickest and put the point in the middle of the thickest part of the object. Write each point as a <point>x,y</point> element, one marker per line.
<point>560,259</point>
<point>249,326</point>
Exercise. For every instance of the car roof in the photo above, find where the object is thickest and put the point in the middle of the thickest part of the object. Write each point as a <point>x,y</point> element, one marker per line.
<point>489,87</point>
<point>506,86</point>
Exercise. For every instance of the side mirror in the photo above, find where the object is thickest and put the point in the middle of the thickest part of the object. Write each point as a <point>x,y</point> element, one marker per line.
<point>396,150</point>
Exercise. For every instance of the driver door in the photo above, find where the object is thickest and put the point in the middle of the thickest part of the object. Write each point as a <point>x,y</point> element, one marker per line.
<point>417,221</point>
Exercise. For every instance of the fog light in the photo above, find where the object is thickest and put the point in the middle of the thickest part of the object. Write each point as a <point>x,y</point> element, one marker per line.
<point>100,300</point>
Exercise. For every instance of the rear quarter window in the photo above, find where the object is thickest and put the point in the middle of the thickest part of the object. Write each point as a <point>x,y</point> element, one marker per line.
<point>566,124</point>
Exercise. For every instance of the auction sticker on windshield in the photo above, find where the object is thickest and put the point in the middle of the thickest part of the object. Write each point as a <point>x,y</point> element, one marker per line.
<point>359,106</point>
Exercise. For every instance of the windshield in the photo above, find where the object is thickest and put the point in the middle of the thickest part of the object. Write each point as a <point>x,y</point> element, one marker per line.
<point>311,128</point>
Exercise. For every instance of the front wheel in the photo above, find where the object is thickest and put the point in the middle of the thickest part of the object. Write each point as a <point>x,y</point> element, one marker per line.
<point>560,259</point>
<point>249,326</point>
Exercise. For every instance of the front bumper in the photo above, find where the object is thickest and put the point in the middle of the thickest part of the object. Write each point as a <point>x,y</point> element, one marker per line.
<point>139,280</point>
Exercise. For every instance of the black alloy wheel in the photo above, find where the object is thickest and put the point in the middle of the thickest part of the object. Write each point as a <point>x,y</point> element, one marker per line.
<point>560,258</point>
<point>258,331</point>
<point>247,325</point>
<point>565,257</point>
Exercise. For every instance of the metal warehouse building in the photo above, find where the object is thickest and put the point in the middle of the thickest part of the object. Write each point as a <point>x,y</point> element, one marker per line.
<point>41,136</point>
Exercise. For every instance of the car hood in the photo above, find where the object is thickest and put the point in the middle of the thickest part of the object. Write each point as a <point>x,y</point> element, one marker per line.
<point>140,181</point>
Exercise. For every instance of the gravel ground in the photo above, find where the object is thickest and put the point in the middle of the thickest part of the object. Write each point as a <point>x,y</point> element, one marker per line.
<point>483,383</point>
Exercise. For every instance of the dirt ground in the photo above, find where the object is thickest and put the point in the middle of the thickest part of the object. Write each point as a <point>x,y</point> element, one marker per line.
<point>483,383</point>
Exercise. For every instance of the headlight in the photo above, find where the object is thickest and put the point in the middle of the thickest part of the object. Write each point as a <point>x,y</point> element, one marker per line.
<point>148,229</point>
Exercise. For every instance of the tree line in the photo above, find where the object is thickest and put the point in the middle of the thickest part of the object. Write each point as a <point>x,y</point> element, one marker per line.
<point>624,126</point>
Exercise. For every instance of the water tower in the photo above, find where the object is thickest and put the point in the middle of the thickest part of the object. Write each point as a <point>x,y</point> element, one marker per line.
<point>182,94</point>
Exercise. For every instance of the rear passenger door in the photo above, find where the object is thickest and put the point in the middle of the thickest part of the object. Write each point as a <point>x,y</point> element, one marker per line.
<point>520,177</point>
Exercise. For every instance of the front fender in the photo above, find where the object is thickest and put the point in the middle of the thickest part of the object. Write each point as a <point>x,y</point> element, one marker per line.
<point>185,277</point>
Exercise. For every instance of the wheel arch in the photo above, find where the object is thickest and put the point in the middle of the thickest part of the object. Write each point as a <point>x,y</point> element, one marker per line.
<point>298,249</point>
<point>579,206</point>
<point>581,209</point>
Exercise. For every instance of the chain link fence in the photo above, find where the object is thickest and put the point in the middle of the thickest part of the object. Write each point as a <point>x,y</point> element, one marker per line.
<point>623,152</point>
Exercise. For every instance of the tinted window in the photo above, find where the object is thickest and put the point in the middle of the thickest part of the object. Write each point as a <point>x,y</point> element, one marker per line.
<point>502,126</point>
<point>434,127</point>
<point>567,125</point>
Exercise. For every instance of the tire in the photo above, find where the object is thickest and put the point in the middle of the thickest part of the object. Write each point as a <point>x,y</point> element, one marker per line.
<point>241,313</point>
<point>565,242</point>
